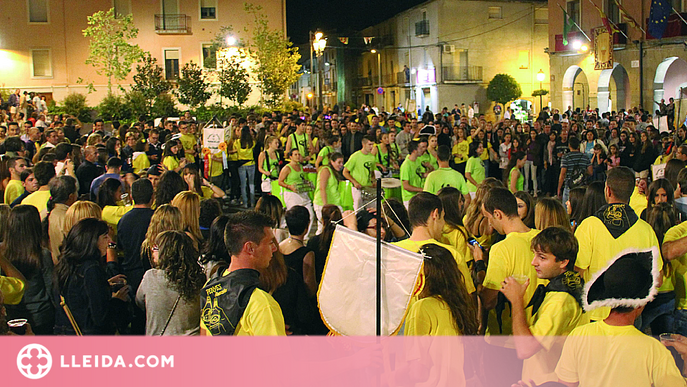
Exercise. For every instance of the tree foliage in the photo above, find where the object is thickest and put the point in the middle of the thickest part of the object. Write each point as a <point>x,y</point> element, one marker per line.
<point>150,81</point>
<point>164,106</point>
<point>276,59</point>
<point>540,92</point>
<point>75,104</point>
<point>192,86</point>
<point>503,88</point>
<point>233,79</point>
<point>109,50</point>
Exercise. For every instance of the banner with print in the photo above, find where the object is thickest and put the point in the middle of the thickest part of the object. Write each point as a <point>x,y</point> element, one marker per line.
<point>347,294</point>
<point>658,171</point>
<point>603,49</point>
<point>212,137</point>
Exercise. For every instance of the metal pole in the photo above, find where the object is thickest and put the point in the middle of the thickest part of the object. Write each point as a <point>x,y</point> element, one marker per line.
<point>311,67</point>
<point>379,257</point>
<point>541,104</point>
<point>320,80</point>
<point>379,77</point>
<point>641,73</point>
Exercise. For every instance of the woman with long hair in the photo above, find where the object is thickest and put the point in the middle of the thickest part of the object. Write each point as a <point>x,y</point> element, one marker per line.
<point>444,307</point>
<point>268,165</point>
<point>189,204</point>
<point>170,184</point>
<point>386,159</point>
<point>321,242</point>
<point>292,178</point>
<point>644,156</point>
<point>169,292</point>
<point>165,218</point>
<point>214,255</point>
<point>327,187</point>
<point>454,233</point>
<point>109,199</point>
<point>22,247</point>
<point>533,150</point>
<point>660,191</point>
<point>271,206</point>
<point>575,206</point>
<point>550,212</point>
<point>504,155</point>
<point>525,207</point>
<point>475,222</point>
<point>516,181</point>
<point>81,210</point>
<point>170,157</point>
<point>81,279</point>
<point>244,150</point>
<point>594,199</point>
<point>460,150</point>
<point>199,185</point>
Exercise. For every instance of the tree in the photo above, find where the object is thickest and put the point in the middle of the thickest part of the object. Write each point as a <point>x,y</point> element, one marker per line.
<point>192,86</point>
<point>276,59</point>
<point>233,79</point>
<point>503,88</point>
<point>150,80</point>
<point>109,50</point>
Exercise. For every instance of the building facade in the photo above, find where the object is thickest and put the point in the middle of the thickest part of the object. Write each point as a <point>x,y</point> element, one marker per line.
<point>643,71</point>
<point>42,47</point>
<point>445,52</point>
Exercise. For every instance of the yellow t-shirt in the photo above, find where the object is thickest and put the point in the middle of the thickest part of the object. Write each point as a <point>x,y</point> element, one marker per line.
<point>112,214</point>
<point>456,239</point>
<point>597,246</point>
<point>244,154</point>
<point>207,192</point>
<point>141,162</point>
<point>602,355</point>
<point>679,266</point>
<point>188,141</point>
<point>12,289</point>
<point>262,317</point>
<point>511,256</point>
<point>171,162</point>
<point>414,246</point>
<point>430,316</point>
<point>38,199</point>
<point>216,166</point>
<point>557,316</point>
<point>13,190</point>
<point>462,148</point>
<point>638,202</point>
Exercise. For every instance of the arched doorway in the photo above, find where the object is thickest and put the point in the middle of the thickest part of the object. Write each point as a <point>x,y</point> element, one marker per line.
<point>612,94</point>
<point>575,88</point>
<point>670,75</point>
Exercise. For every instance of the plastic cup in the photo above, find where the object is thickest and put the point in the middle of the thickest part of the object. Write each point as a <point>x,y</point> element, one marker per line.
<point>18,326</point>
<point>520,278</point>
<point>666,337</point>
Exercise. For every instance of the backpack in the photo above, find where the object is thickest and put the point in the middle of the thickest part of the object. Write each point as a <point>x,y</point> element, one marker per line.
<point>578,177</point>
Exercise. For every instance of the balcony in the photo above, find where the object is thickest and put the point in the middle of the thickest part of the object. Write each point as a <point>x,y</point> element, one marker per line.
<point>422,28</point>
<point>402,78</point>
<point>363,82</point>
<point>462,74</point>
<point>618,38</point>
<point>178,24</point>
<point>674,28</point>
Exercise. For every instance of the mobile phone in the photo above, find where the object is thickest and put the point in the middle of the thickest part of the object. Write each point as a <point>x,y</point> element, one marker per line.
<point>473,242</point>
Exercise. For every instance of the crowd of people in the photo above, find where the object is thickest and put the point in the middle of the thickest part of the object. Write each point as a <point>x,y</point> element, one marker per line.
<point>138,229</point>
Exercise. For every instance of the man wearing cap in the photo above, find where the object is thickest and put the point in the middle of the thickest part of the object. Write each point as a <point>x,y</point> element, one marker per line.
<point>153,175</point>
<point>614,228</point>
<point>612,352</point>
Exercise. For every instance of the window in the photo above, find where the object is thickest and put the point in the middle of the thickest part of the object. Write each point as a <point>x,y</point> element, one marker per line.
<point>121,7</point>
<point>541,16</point>
<point>208,9</point>
<point>524,59</point>
<point>574,10</point>
<point>612,11</point>
<point>41,66</point>
<point>171,63</point>
<point>38,11</point>
<point>209,56</point>
<point>495,13</point>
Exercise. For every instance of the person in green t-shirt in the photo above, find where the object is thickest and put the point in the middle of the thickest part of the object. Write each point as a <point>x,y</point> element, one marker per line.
<point>331,143</point>
<point>474,169</point>
<point>516,181</point>
<point>299,140</point>
<point>359,170</point>
<point>426,158</point>
<point>327,187</point>
<point>445,176</point>
<point>296,185</point>
<point>413,173</point>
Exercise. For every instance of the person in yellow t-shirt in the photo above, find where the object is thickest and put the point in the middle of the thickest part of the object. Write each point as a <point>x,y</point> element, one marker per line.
<point>43,172</point>
<point>188,142</point>
<point>12,283</point>
<point>426,214</point>
<point>109,196</point>
<point>14,188</point>
<point>613,229</point>
<point>555,308</point>
<point>612,352</point>
<point>232,302</point>
<point>509,257</point>
<point>201,186</point>
<point>170,157</point>
<point>244,149</point>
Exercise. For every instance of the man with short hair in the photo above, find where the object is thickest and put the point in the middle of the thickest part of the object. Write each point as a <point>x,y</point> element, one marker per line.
<point>613,228</point>
<point>99,125</point>
<point>64,192</point>
<point>51,139</point>
<point>412,172</point>
<point>359,170</point>
<point>88,170</point>
<point>30,184</point>
<point>62,158</point>
<point>13,129</point>
<point>299,140</point>
<point>14,188</point>
<point>681,199</point>
<point>556,307</point>
<point>445,176</point>
<point>575,167</point>
<point>154,151</point>
<point>681,153</point>
<point>44,172</point>
<point>188,141</point>
<point>114,168</point>
<point>153,175</point>
<point>403,139</point>
<point>233,303</point>
<point>352,141</point>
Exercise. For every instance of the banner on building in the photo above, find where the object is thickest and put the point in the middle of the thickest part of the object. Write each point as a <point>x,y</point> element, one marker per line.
<point>343,40</point>
<point>368,39</point>
<point>603,49</point>
<point>212,137</point>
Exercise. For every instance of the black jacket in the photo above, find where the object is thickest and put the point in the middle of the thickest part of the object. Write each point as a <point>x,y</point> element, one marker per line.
<point>357,139</point>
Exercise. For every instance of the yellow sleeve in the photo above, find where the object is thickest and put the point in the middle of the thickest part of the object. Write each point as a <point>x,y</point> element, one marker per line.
<point>207,192</point>
<point>12,289</point>
<point>418,322</point>
<point>498,270</point>
<point>266,320</point>
<point>584,236</point>
<point>170,163</point>
<point>556,317</point>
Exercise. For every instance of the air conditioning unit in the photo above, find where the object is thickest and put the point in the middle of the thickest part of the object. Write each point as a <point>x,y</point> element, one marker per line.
<point>449,48</point>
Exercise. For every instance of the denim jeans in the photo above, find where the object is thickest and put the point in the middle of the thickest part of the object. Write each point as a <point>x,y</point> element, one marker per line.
<point>530,167</point>
<point>659,314</point>
<point>247,172</point>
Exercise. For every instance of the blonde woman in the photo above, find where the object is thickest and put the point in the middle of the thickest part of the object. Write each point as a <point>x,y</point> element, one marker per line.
<point>81,210</point>
<point>550,212</point>
<point>165,218</point>
<point>188,203</point>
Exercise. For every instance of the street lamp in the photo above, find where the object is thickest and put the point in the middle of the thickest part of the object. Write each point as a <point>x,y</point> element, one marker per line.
<point>540,78</point>
<point>318,45</point>
<point>231,40</point>
<point>379,76</point>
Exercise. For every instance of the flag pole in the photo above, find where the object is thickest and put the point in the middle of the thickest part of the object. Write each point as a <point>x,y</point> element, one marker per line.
<point>678,15</point>
<point>379,257</point>
<point>615,26</point>
<point>575,23</point>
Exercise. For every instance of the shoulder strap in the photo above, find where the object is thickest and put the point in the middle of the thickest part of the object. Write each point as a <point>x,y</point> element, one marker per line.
<point>170,315</point>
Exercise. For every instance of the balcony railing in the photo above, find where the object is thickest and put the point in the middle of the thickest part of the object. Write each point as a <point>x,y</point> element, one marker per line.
<point>422,28</point>
<point>674,28</point>
<point>618,38</point>
<point>173,24</point>
<point>403,78</point>
<point>462,73</point>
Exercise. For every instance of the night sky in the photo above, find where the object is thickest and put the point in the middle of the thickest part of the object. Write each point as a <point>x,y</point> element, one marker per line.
<point>344,17</point>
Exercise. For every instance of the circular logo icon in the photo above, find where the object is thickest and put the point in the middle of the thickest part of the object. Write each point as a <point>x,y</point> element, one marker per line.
<point>34,361</point>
